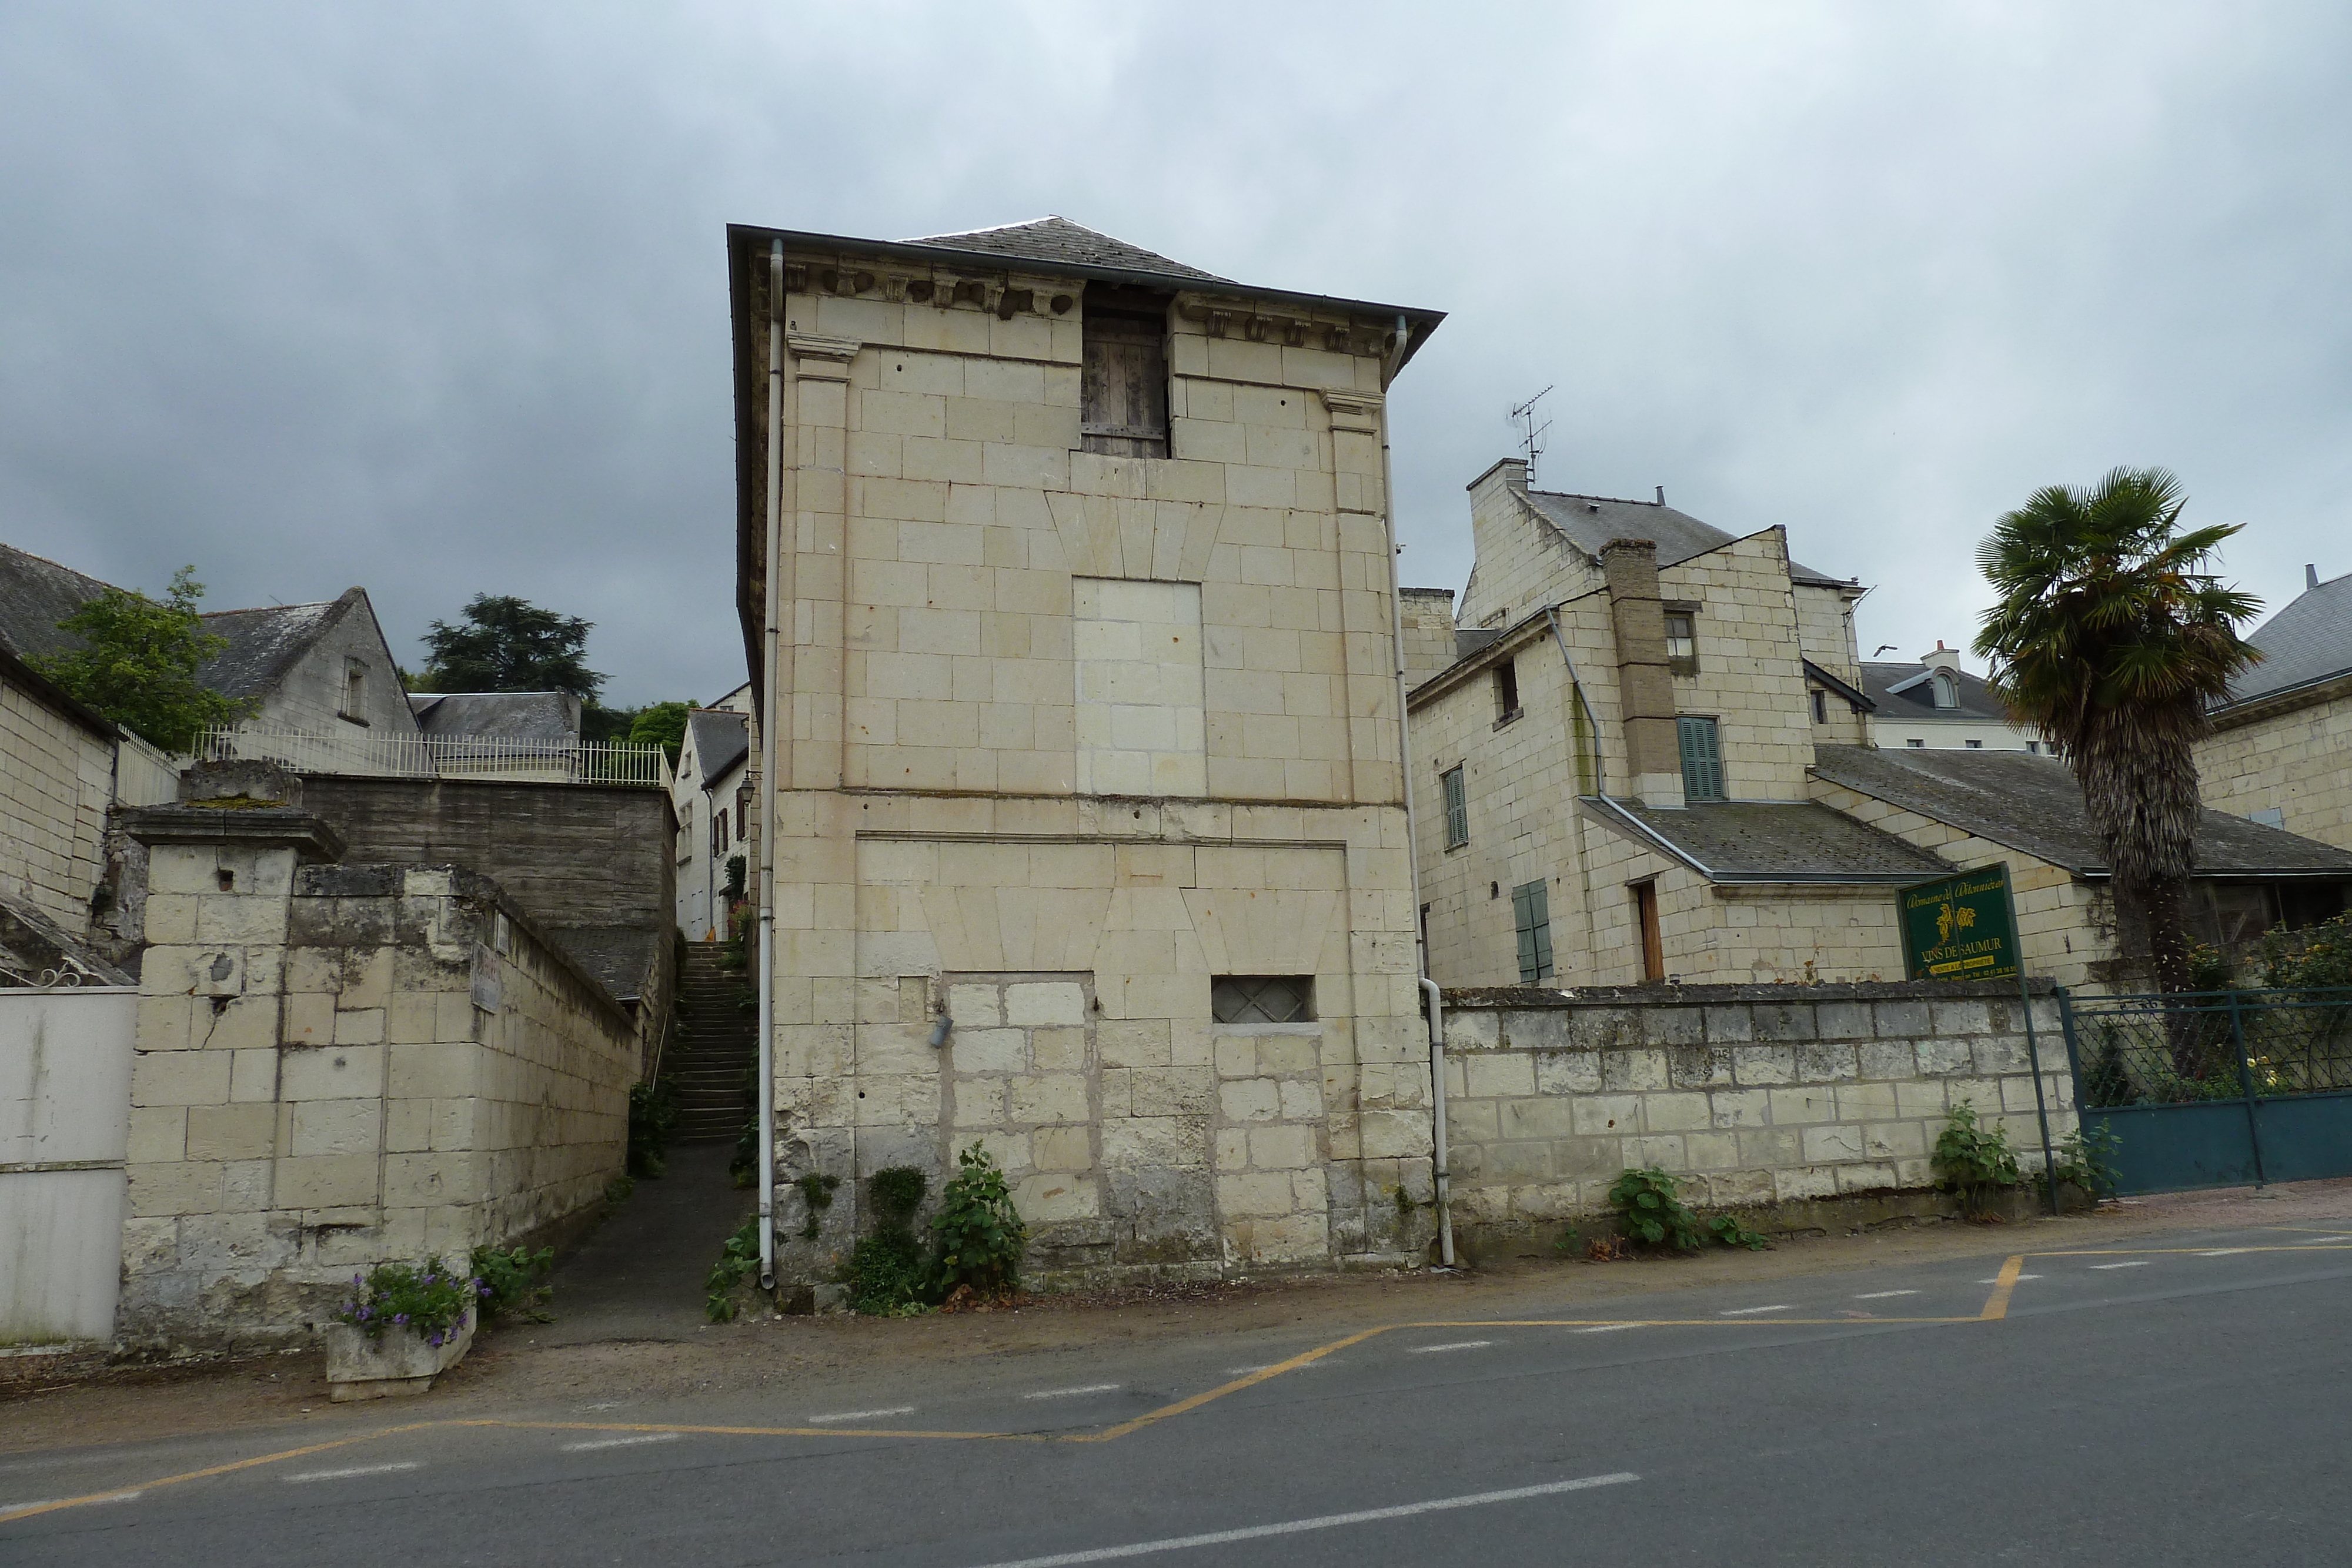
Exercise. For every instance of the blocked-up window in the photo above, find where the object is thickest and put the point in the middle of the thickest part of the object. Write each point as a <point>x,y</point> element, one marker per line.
<point>1702,752</point>
<point>354,690</point>
<point>1123,380</point>
<point>1261,999</point>
<point>1821,706</point>
<point>1507,692</point>
<point>1457,807</point>
<point>1142,720</point>
<point>1531,918</point>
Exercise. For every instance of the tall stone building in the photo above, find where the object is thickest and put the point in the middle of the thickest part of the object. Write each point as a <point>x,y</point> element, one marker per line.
<point>1087,750</point>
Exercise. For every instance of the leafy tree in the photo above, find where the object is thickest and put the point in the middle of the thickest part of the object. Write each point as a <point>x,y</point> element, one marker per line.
<point>662,725</point>
<point>138,660</point>
<point>2110,639</point>
<point>510,645</point>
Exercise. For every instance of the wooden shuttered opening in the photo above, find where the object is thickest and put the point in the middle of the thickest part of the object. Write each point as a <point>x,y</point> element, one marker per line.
<point>1702,752</point>
<point>1123,385</point>
<point>1654,946</point>
<point>1531,915</point>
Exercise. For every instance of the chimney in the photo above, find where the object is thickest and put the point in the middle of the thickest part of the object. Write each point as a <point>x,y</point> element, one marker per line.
<point>1509,472</point>
<point>2310,576</point>
<point>1941,658</point>
<point>1662,495</point>
<point>1645,688</point>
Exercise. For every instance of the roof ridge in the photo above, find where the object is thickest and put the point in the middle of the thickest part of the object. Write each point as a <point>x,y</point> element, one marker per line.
<point>999,228</point>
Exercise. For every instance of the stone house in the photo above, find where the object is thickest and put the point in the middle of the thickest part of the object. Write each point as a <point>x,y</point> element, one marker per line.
<point>1932,704</point>
<point>713,797</point>
<point>1086,735</point>
<point>2280,749</point>
<point>1660,750</point>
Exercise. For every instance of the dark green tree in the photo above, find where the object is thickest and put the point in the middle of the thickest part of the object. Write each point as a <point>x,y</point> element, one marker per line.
<point>2110,638</point>
<point>510,645</point>
<point>662,725</point>
<point>138,660</point>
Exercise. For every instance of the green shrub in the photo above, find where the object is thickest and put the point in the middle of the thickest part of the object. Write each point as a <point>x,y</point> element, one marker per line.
<point>1973,1161</point>
<point>509,1281</point>
<point>653,1112</point>
<point>980,1238</point>
<point>1650,1212</point>
<point>2087,1159</point>
<point>425,1299</point>
<point>738,1260</point>
<point>1727,1229</point>
<point>2315,957</point>
<point>886,1277</point>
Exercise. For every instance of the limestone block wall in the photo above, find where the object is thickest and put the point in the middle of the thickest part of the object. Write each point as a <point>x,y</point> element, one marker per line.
<point>1755,1095</point>
<point>309,698</point>
<point>1750,678</point>
<point>2295,760</point>
<point>341,1065</point>
<point>1428,631</point>
<point>55,783</point>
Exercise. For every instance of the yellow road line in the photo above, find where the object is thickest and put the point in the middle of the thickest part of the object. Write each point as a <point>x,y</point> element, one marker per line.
<point>1304,1358</point>
<point>1996,1305</point>
<point>10,1516</point>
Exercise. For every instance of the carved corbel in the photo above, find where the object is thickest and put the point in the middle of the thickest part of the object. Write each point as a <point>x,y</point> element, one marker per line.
<point>817,359</point>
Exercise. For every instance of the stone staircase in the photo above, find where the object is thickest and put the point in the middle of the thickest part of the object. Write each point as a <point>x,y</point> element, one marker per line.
<point>721,1048</point>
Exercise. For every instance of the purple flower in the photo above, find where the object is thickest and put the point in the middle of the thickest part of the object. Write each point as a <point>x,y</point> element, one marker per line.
<point>400,1317</point>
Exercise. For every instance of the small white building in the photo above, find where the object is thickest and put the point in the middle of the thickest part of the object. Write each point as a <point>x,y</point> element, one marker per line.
<point>1933,704</point>
<point>713,797</point>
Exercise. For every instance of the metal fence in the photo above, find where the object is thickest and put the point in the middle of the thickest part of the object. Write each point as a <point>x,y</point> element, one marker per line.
<point>2217,1088</point>
<point>506,759</point>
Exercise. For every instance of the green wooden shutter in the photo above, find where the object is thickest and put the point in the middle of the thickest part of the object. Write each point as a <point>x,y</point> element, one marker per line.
<point>1457,808</point>
<point>1702,754</point>
<point>1531,918</point>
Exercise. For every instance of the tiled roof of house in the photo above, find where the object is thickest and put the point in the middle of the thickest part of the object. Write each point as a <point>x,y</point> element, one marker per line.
<point>721,739</point>
<point>264,644</point>
<point>2309,639</point>
<point>2032,804</point>
<point>505,715</point>
<point>1591,521</point>
<point>1772,841</point>
<point>1977,701</point>
<point>1059,241</point>
<point>36,593</point>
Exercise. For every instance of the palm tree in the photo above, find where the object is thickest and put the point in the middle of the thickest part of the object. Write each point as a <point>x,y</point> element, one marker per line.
<point>2111,640</point>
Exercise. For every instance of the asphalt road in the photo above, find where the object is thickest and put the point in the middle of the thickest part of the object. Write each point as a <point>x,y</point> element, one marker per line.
<point>2188,1401</point>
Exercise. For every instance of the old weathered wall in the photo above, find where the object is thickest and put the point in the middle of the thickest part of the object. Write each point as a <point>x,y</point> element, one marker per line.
<point>311,696</point>
<point>55,782</point>
<point>2294,758</point>
<point>65,1098</point>
<point>340,1065</point>
<point>1755,1095</point>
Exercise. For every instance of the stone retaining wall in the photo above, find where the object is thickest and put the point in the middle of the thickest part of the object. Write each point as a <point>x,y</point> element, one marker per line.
<point>1760,1097</point>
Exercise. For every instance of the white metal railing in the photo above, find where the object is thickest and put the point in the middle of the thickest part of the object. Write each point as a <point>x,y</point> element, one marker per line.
<point>502,758</point>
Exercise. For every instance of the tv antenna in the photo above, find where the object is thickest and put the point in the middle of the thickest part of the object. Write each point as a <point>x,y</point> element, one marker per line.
<point>1531,433</point>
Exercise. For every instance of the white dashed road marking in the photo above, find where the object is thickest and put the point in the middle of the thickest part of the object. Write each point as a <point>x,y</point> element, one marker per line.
<point>2135,1263</point>
<point>358,1470</point>
<point>1750,1312</point>
<point>637,1441</point>
<point>860,1415</point>
<point>1881,1295</point>
<point>1457,1345</point>
<point>8,1507</point>
<point>1611,1328</point>
<point>1067,1392</point>
<point>2021,1279</point>
<point>2225,1252</point>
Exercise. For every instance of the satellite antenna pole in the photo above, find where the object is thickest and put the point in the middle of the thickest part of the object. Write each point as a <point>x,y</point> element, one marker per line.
<point>1531,434</point>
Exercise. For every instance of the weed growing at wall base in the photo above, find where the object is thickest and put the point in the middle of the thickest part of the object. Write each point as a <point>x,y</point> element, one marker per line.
<point>981,1236</point>
<point>507,1281</point>
<point>1974,1163</point>
<point>1651,1211</point>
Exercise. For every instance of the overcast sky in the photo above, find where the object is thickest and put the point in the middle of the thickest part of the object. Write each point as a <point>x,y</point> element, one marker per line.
<point>432,298</point>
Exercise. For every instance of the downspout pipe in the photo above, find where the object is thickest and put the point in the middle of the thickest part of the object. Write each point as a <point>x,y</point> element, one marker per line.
<point>1411,832</point>
<point>771,706</point>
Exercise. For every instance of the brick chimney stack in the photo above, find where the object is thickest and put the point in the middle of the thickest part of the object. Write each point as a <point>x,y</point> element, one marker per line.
<point>1644,683</point>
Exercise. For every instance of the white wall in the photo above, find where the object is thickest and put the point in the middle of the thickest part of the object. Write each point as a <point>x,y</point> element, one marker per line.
<point>1894,731</point>
<point>65,1120</point>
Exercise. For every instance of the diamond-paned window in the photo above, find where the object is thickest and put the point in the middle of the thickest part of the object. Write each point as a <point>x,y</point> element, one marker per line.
<point>1263,999</point>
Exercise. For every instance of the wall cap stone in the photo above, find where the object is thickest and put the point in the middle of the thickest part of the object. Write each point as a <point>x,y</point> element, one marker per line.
<point>1522,998</point>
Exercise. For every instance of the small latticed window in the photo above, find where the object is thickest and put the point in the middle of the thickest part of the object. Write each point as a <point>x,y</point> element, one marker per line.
<point>1458,808</point>
<point>1263,999</point>
<point>1682,640</point>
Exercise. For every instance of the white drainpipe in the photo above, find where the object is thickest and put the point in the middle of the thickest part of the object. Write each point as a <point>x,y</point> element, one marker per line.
<point>1412,835</point>
<point>768,726</point>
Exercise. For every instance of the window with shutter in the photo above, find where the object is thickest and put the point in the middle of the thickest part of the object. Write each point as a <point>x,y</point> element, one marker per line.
<point>1531,918</point>
<point>1123,377</point>
<point>1702,753</point>
<point>1458,808</point>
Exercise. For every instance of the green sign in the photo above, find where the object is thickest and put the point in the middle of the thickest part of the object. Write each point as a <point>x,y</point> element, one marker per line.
<point>1960,928</point>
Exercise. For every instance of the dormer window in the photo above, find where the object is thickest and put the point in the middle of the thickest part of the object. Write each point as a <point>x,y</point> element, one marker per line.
<point>1123,381</point>
<point>1946,689</point>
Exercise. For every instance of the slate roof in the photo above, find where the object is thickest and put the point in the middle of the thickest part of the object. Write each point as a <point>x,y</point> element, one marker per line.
<point>2032,804</point>
<point>1977,701</point>
<point>2309,639</point>
<point>1591,521</point>
<point>721,739</point>
<point>507,716</point>
<point>36,593</point>
<point>1775,842</point>
<point>264,644</point>
<point>1058,241</point>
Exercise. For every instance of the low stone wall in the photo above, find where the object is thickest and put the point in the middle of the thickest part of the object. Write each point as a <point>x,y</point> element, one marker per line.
<point>342,1065</point>
<point>1768,1099</point>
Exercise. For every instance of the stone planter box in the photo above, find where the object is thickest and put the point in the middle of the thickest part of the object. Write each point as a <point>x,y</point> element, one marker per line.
<point>401,1362</point>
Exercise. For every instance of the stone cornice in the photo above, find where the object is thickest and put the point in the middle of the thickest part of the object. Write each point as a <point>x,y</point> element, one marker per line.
<point>819,359</point>
<point>2276,705</point>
